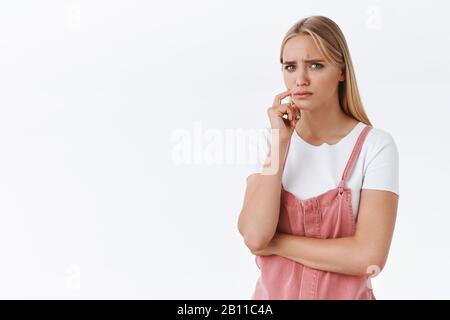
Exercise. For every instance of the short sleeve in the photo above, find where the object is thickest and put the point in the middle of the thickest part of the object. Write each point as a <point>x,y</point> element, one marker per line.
<point>259,150</point>
<point>382,171</point>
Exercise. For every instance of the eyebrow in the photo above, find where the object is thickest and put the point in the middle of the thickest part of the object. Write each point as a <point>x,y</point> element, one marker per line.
<point>309,60</point>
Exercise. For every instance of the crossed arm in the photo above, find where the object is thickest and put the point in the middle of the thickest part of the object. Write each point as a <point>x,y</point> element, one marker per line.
<point>361,254</point>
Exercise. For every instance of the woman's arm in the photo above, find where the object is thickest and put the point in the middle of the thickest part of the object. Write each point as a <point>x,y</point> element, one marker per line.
<point>360,254</point>
<point>258,218</point>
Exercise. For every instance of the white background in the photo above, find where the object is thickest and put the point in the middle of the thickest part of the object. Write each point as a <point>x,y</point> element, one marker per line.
<point>93,203</point>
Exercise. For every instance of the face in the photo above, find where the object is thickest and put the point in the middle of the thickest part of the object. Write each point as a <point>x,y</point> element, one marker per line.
<point>305,69</point>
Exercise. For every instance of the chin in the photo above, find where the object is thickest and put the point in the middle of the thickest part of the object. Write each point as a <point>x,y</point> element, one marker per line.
<point>302,105</point>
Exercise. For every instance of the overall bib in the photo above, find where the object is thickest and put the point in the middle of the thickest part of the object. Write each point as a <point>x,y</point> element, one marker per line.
<point>328,215</point>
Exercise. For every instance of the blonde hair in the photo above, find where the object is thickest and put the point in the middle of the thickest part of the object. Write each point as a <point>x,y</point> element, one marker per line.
<point>330,41</point>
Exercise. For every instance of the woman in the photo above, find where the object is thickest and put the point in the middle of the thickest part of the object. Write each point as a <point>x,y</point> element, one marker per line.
<point>321,219</point>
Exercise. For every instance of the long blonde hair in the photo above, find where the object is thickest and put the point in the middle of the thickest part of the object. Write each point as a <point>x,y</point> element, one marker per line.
<point>330,41</point>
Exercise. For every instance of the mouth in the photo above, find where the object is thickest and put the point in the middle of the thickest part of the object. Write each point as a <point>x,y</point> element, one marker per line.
<point>303,95</point>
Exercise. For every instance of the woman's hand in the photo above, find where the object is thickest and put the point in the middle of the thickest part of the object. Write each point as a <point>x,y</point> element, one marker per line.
<point>277,112</point>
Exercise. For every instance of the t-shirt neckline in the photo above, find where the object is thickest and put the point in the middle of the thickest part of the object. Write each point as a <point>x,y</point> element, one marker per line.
<point>326,145</point>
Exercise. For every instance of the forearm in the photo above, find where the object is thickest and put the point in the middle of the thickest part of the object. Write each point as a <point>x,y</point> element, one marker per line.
<point>342,255</point>
<point>258,219</point>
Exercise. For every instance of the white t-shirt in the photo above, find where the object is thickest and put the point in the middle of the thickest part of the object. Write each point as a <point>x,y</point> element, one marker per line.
<point>312,170</point>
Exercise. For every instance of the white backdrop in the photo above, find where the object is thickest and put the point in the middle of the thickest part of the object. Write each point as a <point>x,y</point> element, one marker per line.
<point>99,198</point>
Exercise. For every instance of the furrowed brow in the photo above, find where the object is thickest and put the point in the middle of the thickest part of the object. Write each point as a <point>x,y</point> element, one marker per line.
<point>309,60</point>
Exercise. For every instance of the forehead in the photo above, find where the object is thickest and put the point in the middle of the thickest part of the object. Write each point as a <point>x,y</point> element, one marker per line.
<point>301,47</point>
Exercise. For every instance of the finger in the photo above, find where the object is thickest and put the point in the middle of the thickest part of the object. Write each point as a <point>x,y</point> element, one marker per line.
<point>296,111</point>
<point>281,96</point>
<point>293,122</point>
<point>285,115</point>
<point>286,108</point>
<point>291,112</point>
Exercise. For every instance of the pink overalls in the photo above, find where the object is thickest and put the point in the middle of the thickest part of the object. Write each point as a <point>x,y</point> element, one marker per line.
<point>328,215</point>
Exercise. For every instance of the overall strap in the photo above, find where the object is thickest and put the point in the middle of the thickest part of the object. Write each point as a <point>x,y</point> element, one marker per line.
<point>354,155</point>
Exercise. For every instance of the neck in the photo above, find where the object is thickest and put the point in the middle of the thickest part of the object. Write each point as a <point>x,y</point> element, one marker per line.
<point>324,122</point>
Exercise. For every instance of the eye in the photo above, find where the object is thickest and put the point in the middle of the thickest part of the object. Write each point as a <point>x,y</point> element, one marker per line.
<point>317,66</point>
<point>287,66</point>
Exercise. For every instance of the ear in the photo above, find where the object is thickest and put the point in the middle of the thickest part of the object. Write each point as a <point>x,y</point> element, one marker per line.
<point>342,77</point>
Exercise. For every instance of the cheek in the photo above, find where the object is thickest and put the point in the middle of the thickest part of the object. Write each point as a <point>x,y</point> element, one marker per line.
<point>324,79</point>
<point>326,83</point>
<point>288,78</point>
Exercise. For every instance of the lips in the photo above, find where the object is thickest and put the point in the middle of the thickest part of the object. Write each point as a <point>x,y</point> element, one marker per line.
<point>303,94</point>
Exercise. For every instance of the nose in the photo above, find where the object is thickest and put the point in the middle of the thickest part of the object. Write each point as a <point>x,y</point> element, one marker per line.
<point>301,78</point>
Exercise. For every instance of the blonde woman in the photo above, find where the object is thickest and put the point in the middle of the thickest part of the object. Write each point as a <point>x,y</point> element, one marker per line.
<point>320,220</point>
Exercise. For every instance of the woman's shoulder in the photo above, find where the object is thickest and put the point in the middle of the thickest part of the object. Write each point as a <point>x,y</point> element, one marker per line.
<point>380,143</point>
<point>379,137</point>
<point>381,161</point>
